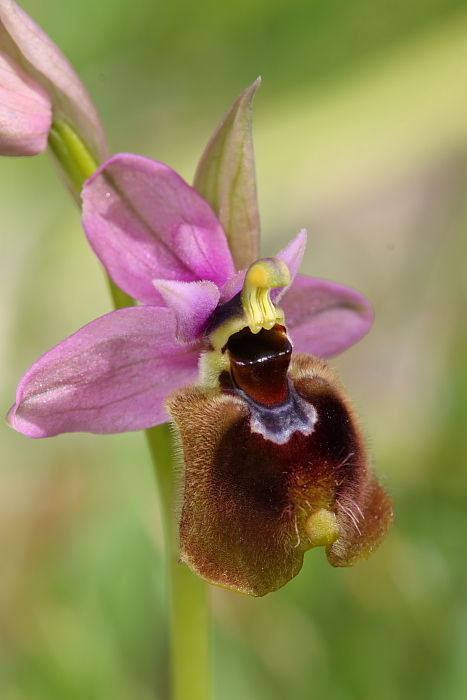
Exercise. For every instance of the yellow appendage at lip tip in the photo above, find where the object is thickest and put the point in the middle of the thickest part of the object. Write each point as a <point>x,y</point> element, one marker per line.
<point>262,276</point>
<point>321,528</point>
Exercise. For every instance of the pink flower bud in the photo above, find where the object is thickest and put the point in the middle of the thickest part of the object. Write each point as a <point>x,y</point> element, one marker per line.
<point>40,79</point>
<point>25,111</point>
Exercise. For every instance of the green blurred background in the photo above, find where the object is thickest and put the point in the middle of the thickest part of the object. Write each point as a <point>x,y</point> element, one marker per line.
<point>361,136</point>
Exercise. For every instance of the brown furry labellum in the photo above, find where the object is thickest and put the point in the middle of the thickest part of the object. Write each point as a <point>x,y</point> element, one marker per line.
<point>274,464</point>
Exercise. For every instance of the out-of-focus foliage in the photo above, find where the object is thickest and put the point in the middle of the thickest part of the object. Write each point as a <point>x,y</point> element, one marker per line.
<point>361,136</point>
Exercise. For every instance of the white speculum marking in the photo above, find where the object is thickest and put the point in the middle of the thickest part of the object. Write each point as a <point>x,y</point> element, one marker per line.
<point>277,423</point>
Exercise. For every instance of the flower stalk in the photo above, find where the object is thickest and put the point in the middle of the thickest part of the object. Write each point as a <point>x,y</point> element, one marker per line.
<point>190,629</point>
<point>72,154</point>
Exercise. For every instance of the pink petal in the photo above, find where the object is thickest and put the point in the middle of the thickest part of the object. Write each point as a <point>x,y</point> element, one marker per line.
<point>233,286</point>
<point>325,318</point>
<point>192,304</point>
<point>21,38</point>
<point>144,223</point>
<point>109,377</point>
<point>25,111</point>
<point>291,255</point>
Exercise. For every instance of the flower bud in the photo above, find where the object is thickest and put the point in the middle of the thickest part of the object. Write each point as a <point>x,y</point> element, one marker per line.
<point>25,111</point>
<point>35,77</point>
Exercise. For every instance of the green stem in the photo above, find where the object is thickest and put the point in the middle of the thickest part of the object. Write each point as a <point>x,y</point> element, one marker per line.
<point>72,155</point>
<point>189,613</point>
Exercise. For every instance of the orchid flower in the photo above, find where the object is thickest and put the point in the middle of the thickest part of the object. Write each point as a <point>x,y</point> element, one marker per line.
<point>274,460</point>
<point>40,94</point>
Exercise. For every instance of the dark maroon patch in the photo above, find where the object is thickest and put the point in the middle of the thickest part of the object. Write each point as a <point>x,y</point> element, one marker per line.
<point>259,363</point>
